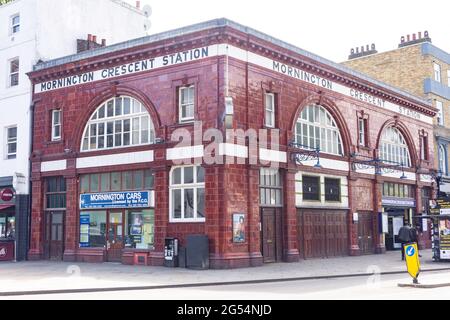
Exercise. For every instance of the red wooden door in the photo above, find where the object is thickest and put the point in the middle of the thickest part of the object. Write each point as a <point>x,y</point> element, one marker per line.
<point>115,236</point>
<point>54,235</point>
<point>322,234</point>
<point>271,234</point>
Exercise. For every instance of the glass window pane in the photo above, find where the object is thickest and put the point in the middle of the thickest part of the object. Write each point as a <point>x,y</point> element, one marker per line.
<point>200,203</point>
<point>188,203</point>
<point>105,182</point>
<point>95,183</point>
<point>118,107</point>
<point>115,181</point>
<point>176,176</point>
<point>148,179</point>
<point>200,174</point>
<point>127,179</point>
<point>84,184</point>
<point>138,180</point>
<point>188,175</point>
<point>176,204</point>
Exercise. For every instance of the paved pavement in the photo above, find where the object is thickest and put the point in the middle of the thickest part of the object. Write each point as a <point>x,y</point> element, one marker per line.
<point>44,275</point>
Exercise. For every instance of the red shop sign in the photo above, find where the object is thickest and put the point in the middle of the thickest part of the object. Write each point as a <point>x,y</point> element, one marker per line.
<point>6,194</point>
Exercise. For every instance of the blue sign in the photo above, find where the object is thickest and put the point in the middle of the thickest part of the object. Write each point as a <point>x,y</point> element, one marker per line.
<point>116,200</point>
<point>85,224</point>
<point>410,251</point>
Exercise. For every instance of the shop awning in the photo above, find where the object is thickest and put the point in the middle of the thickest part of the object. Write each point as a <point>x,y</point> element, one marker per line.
<point>5,206</point>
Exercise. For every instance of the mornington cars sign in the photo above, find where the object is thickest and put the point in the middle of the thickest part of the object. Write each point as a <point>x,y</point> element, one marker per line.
<point>117,200</point>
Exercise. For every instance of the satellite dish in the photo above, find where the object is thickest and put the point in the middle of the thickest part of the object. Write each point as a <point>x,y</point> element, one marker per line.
<point>147,10</point>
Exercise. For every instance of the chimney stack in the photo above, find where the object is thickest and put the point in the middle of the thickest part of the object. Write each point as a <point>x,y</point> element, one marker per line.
<point>414,39</point>
<point>138,4</point>
<point>103,42</point>
<point>365,51</point>
<point>90,43</point>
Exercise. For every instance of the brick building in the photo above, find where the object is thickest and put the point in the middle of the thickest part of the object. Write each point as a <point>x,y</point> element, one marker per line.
<point>423,69</point>
<point>323,152</point>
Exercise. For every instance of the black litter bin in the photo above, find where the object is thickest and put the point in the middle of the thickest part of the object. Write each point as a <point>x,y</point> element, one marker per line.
<point>197,252</point>
<point>171,253</point>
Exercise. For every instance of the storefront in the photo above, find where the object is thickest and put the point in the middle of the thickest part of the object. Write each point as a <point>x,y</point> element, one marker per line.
<point>144,153</point>
<point>117,214</point>
<point>400,206</point>
<point>7,224</point>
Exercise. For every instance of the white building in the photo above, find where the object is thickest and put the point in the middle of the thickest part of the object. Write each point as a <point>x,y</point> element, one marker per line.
<point>30,31</point>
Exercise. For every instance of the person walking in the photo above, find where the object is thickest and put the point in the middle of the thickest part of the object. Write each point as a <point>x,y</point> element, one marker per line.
<point>404,236</point>
<point>414,237</point>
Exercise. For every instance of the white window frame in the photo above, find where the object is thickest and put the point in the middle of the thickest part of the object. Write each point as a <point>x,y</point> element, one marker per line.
<point>362,131</point>
<point>96,121</point>
<point>195,186</point>
<point>393,148</point>
<point>437,72</point>
<point>448,77</point>
<point>442,159</point>
<point>10,73</point>
<point>182,105</point>
<point>55,125</point>
<point>13,25</point>
<point>11,141</point>
<point>440,114</point>
<point>329,137</point>
<point>269,109</point>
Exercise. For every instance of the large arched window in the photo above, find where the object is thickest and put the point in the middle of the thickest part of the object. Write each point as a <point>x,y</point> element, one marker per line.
<point>316,128</point>
<point>119,122</point>
<point>393,148</point>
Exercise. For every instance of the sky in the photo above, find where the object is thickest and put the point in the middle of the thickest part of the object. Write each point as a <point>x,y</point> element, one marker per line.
<point>324,27</point>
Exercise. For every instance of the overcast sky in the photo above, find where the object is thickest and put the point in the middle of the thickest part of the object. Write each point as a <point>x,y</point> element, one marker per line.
<point>329,28</point>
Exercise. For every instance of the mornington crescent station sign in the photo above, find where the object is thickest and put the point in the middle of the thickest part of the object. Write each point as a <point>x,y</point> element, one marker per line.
<point>236,53</point>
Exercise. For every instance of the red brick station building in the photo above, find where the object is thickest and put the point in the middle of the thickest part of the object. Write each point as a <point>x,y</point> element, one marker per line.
<point>352,164</point>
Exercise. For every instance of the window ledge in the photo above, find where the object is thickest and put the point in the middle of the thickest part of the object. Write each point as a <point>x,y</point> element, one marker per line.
<point>171,220</point>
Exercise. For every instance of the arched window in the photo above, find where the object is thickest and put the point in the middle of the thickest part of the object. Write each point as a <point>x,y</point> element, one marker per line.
<point>119,122</point>
<point>393,148</point>
<point>316,128</point>
<point>442,160</point>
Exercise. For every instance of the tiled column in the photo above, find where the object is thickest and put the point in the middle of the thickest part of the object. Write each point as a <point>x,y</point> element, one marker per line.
<point>71,218</point>
<point>36,250</point>
<point>290,243</point>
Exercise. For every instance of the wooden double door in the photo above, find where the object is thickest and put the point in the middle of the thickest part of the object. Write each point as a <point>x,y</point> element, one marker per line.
<point>271,237</point>
<point>322,233</point>
<point>54,235</point>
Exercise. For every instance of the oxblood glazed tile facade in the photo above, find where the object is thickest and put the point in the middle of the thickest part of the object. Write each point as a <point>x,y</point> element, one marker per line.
<point>292,225</point>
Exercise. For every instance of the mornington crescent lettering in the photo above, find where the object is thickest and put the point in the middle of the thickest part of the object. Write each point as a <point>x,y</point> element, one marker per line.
<point>186,56</point>
<point>128,68</point>
<point>367,98</point>
<point>302,75</point>
<point>69,81</point>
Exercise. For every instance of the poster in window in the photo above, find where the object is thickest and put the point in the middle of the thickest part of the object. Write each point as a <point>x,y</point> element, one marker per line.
<point>238,228</point>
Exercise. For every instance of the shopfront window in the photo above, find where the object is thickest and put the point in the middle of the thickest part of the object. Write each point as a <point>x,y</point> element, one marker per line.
<point>93,229</point>
<point>140,229</point>
<point>393,148</point>
<point>120,122</point>
<point>7,227</point>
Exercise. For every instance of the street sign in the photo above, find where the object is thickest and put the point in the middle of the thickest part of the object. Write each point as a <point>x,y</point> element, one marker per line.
<point>412,260</point>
